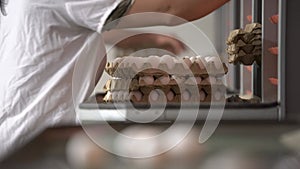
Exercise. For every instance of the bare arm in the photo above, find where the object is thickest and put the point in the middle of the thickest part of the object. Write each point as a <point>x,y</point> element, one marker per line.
<point>187,9</point>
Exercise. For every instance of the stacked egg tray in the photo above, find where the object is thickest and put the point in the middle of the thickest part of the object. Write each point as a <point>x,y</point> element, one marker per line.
<point>245,46</point>
<point>129,67</point>
<point>165,79</point>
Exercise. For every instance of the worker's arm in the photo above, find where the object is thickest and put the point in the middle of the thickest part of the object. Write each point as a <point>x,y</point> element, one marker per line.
<point>187,9</point>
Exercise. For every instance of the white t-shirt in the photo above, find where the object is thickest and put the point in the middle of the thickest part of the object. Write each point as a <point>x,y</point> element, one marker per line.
<point>40,43</point>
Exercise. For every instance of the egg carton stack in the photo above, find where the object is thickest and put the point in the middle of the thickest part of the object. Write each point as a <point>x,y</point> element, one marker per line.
<point>245,46</point>
<point>157,79</point>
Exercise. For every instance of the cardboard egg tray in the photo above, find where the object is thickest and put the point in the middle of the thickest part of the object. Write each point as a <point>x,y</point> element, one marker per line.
<point>181,69</point>
<point>244,46</point>
<point>118,90</point>
<point>136,84</point>
<point>145,100</point>
<point>125,96</point>
<point>177,90</point>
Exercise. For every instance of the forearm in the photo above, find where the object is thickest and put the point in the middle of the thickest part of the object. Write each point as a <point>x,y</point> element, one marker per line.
<point>194,9</point>
<point>187,9</point>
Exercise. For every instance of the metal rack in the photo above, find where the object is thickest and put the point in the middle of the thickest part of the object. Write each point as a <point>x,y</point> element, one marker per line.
<point>91,112</point>
<point>273,105</point>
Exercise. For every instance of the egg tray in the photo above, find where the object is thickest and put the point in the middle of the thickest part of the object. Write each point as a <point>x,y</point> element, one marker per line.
<point>116,97</point>
<point>135,84</point>
<point>250,33</point>
<point>245,46</point>
<point>130,71</point>
<point>203,91</point>
<point>175,88</point>
<point>145,100</point>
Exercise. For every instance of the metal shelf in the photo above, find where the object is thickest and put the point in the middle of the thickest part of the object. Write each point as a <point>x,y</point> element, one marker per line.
<point>89,112</point>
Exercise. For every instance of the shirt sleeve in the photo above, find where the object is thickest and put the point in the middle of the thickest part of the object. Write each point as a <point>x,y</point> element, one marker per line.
<point>94,14</point>
<point>120,11</point>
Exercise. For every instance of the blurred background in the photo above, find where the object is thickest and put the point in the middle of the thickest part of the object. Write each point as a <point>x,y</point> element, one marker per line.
<point>233,146</point>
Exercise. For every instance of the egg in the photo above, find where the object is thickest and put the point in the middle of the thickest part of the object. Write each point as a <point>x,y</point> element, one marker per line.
<point>170,95</point>
<point>147,79</point>
<point>186,95</point>
<point>218,95</point>
<point>154,95</point>
<point>178,79</point>
<point>137,94</point>
<point>164,80</point>
<point>198,80</point>
<point>202,95</point>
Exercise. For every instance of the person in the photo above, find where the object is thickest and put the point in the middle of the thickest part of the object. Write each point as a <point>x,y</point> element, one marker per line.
<point>41,42</point>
